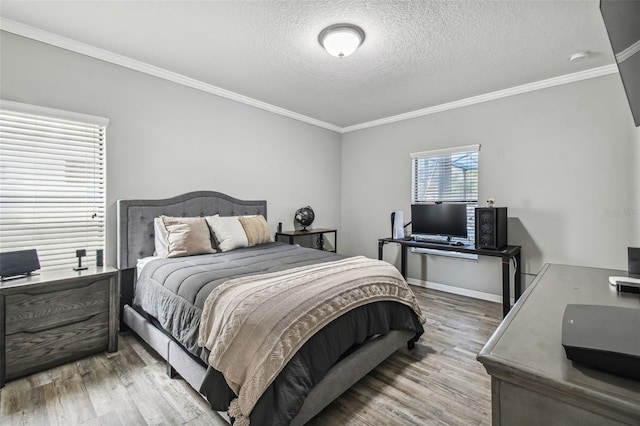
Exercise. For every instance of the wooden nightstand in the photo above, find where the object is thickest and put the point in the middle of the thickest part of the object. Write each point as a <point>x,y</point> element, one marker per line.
<point>55,318</point>
<point>318,231</point>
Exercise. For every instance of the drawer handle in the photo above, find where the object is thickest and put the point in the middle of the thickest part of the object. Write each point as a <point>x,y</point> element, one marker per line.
<point>61,324</point>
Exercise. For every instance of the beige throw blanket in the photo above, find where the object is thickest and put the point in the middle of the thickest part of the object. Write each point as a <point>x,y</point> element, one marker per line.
<point>254,325</point>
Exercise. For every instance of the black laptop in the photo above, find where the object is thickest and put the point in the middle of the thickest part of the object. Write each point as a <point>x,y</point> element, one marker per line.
<point>14,264</point>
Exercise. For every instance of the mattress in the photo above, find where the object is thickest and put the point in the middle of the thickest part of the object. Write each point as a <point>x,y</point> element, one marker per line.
<point>173,292</point>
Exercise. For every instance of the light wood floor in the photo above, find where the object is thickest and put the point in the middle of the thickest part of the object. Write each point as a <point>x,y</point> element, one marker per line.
<point>439,382</point>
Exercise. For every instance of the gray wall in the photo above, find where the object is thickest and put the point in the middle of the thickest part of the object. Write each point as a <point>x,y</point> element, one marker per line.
<point>564,160</point>
<point>558,158</point>
<point>165,139</point>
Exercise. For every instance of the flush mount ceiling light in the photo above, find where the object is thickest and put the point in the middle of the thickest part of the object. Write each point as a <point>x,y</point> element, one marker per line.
<point>341,40</point>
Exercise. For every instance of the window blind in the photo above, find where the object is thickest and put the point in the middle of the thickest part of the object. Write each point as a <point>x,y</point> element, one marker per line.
<point>52,183</point>
<point>447,175</point>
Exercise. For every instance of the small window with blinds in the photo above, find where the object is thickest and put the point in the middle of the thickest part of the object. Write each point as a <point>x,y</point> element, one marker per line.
<point>52,183</point>
<point>449,176</point>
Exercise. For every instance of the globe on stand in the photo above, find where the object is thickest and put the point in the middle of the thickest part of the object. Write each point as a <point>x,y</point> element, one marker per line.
<point>305,216</point>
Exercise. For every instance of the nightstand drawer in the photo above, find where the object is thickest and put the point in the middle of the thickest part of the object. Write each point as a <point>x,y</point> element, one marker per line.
<point>27,352</point>
<point>32,312</point>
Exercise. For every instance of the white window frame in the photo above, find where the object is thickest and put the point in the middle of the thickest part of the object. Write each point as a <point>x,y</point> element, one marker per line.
<point>447,194</point>
<point>52,183</point>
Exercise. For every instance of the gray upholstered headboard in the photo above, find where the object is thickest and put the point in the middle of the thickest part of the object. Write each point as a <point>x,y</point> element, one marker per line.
<point>135,218</point>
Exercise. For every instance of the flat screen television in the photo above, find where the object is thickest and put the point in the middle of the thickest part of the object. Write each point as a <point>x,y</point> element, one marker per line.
<point>443,219</point>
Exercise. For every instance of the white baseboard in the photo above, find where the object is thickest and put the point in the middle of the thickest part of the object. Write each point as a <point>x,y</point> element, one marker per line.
<point>457,290</point>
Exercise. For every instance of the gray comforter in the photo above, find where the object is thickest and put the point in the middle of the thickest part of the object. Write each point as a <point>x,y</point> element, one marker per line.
<point>173,292</point>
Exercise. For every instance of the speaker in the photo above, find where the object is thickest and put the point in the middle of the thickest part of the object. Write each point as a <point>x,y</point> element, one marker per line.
<point>634,260</point>
<point>491,227</point>
<point>397,225</point>
<point>22,262</point>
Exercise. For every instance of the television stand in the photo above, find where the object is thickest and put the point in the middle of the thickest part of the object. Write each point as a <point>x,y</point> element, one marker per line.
<point>506,254</point>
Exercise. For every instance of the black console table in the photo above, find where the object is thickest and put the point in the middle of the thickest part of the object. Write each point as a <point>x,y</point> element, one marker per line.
<point>506,254</point>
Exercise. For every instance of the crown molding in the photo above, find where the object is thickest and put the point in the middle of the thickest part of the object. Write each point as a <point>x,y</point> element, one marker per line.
<point>124,61</point>
<point>628,52</point>
<point>529,87</point>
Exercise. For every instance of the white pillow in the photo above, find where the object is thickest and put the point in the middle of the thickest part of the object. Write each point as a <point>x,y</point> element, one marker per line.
<point>228,231</point>
<point>160,238</point>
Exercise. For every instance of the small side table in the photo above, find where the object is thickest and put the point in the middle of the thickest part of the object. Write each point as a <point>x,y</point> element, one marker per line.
<point>317,231</point>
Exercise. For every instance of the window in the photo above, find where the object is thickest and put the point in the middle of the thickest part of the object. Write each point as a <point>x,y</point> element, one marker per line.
<point>52,183</point>
<point>448,175</point>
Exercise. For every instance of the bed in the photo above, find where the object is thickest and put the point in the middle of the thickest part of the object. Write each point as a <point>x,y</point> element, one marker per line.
<point>331,361</point>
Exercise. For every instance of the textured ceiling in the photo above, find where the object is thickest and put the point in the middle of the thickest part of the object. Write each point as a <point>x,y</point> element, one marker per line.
<point>417,54</point>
